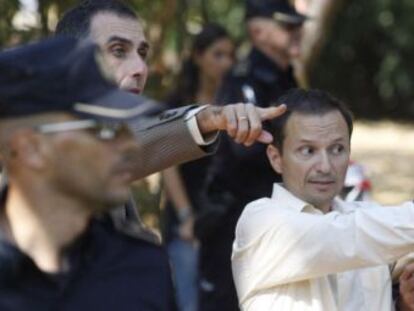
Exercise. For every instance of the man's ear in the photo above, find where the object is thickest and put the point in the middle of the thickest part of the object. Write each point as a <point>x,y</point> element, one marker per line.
<point>275,158</point>
<point>28,148</point>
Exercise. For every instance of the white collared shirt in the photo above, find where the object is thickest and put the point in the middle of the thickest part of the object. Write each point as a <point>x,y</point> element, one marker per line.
<point>288,256</point>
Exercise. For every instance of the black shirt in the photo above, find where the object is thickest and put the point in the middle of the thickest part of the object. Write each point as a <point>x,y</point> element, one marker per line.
<point>108,271</point>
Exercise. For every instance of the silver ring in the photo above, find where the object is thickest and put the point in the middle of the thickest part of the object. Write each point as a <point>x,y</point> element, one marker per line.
<point>242,118</point>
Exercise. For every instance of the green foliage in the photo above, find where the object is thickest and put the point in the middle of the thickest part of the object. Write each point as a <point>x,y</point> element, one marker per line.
<point>170,26</point>
<point>367,60</point>
<point>175,22</point>
<point>8,8</point>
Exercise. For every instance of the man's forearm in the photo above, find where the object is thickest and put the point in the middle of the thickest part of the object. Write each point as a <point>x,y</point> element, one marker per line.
<point>166,145</point>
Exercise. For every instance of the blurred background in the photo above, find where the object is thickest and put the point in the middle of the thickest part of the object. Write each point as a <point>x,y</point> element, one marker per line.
<point>358,50</point>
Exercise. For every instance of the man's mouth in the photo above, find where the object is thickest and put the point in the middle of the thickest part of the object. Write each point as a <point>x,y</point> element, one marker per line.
<point>322,184</point>
<point>134,91</point>
<point>124,176</point>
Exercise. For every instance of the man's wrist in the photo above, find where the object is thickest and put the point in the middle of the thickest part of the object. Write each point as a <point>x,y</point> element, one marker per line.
<point>206,118</point>
<point>194,120</point>
<point>183,214</point>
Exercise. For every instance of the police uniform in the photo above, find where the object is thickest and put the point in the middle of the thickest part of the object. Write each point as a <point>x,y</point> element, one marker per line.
<point>104,268</point>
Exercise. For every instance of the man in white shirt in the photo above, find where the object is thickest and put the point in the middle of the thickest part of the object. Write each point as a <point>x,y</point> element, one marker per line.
<point>303,249</point>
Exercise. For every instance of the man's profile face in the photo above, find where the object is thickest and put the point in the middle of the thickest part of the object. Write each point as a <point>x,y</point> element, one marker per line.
<point>124,47</point>
<point>286,38</point>
<point>315,157</point>
<point>93,170</point>
<point>280,38</point>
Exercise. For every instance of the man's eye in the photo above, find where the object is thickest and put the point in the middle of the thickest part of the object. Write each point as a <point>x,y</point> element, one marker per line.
<point>118,51</point>
<point>337,149</point>
<point>219,54</point>
<point>306,151</point>
<point>143,53</point>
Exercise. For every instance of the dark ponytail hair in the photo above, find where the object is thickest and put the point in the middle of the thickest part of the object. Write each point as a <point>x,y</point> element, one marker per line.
<point>187,83</point>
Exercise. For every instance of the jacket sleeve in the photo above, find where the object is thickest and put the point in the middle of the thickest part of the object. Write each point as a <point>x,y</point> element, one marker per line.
<point>165,141</point>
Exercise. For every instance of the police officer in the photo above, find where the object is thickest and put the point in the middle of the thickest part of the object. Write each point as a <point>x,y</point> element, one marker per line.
<point>238,174</point>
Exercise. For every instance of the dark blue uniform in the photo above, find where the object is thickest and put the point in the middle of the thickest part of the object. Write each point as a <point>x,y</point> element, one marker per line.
<point>237,176</point>
<point>108,270</point>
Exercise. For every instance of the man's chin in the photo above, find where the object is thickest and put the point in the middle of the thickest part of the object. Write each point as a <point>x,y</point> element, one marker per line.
<point>318,200</point>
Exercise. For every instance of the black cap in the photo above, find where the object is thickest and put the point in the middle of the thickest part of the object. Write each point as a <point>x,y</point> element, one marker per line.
<point>279,10</point>
<point>64,74</point>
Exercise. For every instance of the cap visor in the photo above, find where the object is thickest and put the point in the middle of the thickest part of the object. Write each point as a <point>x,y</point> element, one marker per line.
<point>119,106</point>
<point>293,18</point>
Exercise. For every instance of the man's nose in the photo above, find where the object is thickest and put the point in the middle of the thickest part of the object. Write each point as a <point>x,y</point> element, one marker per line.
<point>138,67</point>
<point>324,163</point>
<point>126,145</point>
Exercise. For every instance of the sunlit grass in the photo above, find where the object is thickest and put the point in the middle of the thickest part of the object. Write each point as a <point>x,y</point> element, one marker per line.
<point>386,149</point>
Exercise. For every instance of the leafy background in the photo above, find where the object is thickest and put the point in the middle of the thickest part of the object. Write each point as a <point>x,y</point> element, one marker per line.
<point>366,57</point>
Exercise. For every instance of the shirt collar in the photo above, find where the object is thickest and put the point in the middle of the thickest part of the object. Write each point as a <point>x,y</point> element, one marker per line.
<point>341,206</point>
<point>288,199</point>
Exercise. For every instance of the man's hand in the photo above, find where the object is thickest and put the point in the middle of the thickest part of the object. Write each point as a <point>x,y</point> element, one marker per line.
<point>242,122</point>
<point>406,279</point>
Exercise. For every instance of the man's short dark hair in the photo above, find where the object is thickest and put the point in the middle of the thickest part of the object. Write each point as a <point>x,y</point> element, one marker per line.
<point>76,22</point>
<point>307,102</point>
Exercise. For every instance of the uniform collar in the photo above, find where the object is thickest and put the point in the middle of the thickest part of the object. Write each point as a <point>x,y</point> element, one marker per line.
<point>264,69</point>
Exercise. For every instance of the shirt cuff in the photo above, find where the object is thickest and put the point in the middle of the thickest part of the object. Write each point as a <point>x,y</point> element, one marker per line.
<point>191,122</point>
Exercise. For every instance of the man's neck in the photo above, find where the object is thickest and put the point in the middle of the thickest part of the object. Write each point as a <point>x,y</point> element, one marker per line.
<point>325,208</point>
<point>42,225</point>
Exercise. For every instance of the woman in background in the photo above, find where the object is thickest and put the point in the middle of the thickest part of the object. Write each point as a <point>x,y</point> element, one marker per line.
<point>212,55</point>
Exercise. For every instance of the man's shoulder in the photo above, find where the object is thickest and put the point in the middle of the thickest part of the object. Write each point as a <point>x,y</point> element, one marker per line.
<point>127,248</point>
<point>238,73</point>
<point>351,206</point>
<point>259,218</point>
<point>265,205</point>
<point>262,212</point>
<point>258,205</point>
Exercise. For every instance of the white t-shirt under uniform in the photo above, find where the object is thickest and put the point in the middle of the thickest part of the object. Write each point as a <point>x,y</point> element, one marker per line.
<point>288,256</point>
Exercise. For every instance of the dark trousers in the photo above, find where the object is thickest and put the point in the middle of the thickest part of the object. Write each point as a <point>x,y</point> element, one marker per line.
<point>217,290</point>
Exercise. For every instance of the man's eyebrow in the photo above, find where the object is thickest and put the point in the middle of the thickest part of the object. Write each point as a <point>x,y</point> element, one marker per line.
<point>119,39</point>
<point>144,44</point>
<point>310,141</point>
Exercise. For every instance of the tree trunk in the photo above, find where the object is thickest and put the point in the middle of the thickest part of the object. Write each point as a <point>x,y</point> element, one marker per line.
<point>321,13</point>
<point>44,17</point>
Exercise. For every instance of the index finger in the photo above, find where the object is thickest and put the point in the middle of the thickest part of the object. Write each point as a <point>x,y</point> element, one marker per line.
<point>271,112</point>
